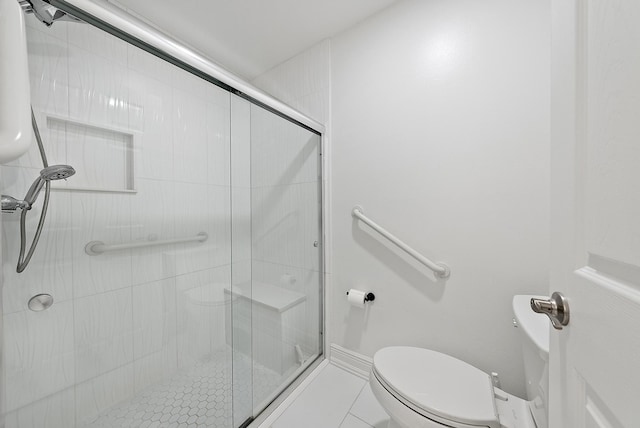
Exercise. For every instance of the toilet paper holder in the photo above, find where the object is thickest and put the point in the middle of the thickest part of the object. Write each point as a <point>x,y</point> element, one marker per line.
<point>369,297</point>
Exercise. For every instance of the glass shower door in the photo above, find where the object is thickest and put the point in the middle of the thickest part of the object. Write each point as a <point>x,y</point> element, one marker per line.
<point>183,258</point>
<point>136,248</point>
<point>277,281</point>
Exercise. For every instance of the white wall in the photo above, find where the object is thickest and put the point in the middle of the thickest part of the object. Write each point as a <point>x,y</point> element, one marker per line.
<point>440,115</point>
<point>439,129</point>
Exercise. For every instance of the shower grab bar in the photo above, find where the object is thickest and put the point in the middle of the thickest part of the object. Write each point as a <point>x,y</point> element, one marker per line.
<point>95,248</point>
<point>440,269</point>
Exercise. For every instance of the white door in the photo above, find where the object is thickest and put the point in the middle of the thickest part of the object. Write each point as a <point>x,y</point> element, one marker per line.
<point>595,360</point>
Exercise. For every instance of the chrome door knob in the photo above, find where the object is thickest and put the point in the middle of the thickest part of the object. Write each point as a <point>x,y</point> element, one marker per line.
<point>556,308</point>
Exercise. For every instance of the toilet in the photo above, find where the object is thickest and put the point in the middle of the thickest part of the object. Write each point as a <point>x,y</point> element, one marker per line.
<point>420,388</point>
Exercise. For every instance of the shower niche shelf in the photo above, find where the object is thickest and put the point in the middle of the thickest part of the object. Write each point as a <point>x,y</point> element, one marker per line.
<point>102,155</point>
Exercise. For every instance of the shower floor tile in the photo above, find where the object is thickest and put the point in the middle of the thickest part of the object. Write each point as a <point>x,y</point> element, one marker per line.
<point>200,396</point>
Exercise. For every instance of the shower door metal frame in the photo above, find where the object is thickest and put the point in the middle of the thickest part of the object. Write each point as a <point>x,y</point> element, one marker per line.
<point>126,27</point>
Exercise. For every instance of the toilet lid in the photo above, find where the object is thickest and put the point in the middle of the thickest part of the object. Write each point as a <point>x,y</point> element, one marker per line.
<point>438,384</point>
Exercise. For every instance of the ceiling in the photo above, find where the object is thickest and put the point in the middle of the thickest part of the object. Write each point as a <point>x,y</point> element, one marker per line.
<point>249,37</point>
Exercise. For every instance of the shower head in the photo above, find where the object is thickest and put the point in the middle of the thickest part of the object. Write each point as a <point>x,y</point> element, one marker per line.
<point>57,172</point>
<point>53,172</point>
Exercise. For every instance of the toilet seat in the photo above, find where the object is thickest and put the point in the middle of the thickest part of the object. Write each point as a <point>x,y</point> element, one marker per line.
<point>438,386</point>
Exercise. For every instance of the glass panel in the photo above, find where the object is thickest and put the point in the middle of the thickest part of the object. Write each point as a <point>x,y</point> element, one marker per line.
<point>276,296</point>
<point>285,263</point>
<point>134,334</point>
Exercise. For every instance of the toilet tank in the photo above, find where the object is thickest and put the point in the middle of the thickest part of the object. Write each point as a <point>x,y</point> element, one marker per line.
<point>534,336</point>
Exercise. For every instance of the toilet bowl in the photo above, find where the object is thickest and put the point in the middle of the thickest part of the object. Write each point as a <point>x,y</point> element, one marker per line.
<point>421,388</point>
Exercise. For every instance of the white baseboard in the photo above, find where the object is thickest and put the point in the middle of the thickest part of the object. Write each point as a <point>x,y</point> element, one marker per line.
<point>353,362</point>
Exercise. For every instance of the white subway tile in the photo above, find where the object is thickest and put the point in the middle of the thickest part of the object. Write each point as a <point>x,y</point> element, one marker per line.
<point>149,65</point>
<point>102,217</point>
<point>98,89</point>
<point>38,357</point>
<point>153,210</point>
<point>285,224</point>
<point>154,317</point>
<point>54,411</point>
<point>157,367</point>
<point>103,333</point>
<point>102,392</point>
<point>218,144</point>
<point>206,209</point>
<point>99,42</point>
<point>151,113</point>
<point>189,138</point>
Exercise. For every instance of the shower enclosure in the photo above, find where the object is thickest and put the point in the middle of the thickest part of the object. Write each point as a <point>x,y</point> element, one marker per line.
<point>184,257</point>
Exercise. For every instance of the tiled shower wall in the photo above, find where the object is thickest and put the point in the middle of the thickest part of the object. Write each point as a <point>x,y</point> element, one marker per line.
<point>303,82</point>
<point>123,320</point>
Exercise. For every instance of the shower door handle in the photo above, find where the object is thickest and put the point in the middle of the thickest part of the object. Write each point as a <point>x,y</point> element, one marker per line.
<point>556,308</point>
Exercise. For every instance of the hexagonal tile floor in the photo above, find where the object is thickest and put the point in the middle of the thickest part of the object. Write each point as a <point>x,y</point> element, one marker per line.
<point>200,396</point>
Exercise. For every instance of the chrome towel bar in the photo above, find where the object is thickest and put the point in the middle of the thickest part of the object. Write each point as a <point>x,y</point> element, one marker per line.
<point>95,248</point>
<point>440,269</point>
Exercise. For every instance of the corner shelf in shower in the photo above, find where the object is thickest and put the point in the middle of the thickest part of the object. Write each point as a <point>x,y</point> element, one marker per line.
<point>102,155</point>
